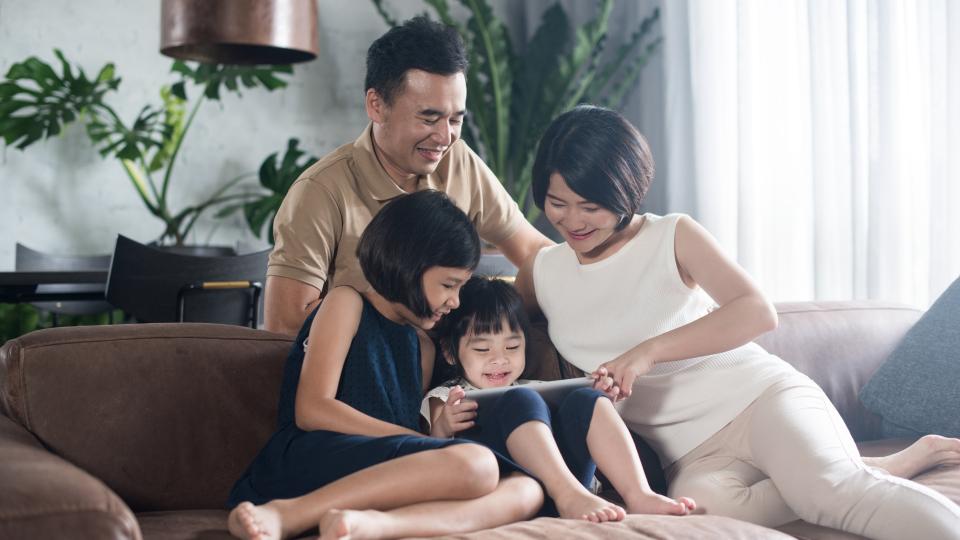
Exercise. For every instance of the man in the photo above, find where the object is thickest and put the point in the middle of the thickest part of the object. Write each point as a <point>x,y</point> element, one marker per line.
<point>416,96</point>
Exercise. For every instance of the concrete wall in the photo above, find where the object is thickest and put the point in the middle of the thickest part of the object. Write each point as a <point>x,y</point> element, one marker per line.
<point>60,196</point>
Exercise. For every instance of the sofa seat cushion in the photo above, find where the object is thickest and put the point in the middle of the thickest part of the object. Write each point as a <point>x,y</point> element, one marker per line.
<point>211,525</point>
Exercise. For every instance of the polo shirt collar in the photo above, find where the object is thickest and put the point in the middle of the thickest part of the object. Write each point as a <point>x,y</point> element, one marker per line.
<point>379,183</point>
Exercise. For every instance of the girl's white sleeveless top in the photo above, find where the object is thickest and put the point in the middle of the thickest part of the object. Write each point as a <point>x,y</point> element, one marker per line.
<point>600,310</point>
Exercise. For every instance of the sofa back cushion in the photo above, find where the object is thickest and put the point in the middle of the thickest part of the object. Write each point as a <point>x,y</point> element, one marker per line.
<point>167,415</point>
<point>840,345</point>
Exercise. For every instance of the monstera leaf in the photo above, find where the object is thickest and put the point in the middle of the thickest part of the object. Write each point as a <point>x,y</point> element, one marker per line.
<point>35,101</point>
<point>276,179</point>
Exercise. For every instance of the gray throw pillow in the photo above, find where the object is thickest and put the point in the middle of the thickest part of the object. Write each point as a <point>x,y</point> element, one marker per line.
<point>917,390</point>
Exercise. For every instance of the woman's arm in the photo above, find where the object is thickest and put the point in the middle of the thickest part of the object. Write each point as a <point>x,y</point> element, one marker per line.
<point>744,312</point>
<point>316,405</point>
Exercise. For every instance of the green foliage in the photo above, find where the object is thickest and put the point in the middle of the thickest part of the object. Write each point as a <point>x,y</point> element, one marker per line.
<point>276,179</point>
<point>512,96</point>
<point>36,102</point>
<point>19,319</point>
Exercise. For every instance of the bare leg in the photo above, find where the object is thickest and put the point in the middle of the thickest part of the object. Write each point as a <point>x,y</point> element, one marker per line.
<point>612,448</point>
<point>463,471</point>
<point>532,446</point>
<point>516,498</point>
<point>927,452</point>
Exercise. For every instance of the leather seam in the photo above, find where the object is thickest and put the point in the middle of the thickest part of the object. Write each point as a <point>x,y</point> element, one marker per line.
<point>66,511</point>
<point>148,338</point>
<point>22,382</point>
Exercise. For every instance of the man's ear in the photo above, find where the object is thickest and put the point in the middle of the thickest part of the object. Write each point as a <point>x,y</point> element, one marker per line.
<point>376,106</point>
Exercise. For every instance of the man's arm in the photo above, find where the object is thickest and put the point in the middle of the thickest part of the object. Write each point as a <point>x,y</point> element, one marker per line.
<point>522,246</point>
<point>286,304</point>
<point>523,243</point>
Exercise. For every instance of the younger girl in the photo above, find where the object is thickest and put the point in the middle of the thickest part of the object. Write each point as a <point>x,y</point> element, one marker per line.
<point>485,341</point>
<point>349,404</point>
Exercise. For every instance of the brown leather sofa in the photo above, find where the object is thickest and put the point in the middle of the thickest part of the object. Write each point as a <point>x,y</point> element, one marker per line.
<point>138,431</point>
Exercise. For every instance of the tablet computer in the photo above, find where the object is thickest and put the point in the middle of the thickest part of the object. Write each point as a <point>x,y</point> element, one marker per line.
<point>552,392</point>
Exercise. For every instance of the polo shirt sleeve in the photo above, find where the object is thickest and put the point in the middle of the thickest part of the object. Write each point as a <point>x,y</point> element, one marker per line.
<point>306,229</point>
<point>494,212</point>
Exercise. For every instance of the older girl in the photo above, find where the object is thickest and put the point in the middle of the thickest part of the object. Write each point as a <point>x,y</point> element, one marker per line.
<point>347,453</point>
<point>654,301</point>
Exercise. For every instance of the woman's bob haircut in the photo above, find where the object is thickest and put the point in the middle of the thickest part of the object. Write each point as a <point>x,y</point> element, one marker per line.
<point>410,235</point>
<point>600,155</point>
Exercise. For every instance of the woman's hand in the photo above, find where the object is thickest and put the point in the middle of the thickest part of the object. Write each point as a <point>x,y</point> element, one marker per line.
<point>603,382</point>
<point>456,415</point>
<point>625,369</point>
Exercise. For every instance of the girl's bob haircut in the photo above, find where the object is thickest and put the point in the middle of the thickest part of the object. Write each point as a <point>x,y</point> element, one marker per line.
<point>410,235</point>
<point>600,155</point>
<point>485,305</point>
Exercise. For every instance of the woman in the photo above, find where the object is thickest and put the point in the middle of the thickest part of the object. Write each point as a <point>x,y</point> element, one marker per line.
<point>652,306</point>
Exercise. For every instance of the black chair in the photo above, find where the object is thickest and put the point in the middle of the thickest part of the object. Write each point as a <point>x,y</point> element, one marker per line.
<point>31,260</point>
<point>154,285</point>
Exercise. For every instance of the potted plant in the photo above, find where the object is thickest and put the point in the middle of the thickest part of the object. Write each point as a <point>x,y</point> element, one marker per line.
<point>513,96</point>
<point>36,102</point>
<point>275,178</point>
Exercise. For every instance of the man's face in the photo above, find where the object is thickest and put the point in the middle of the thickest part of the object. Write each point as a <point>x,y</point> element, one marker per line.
<point>414,132</point>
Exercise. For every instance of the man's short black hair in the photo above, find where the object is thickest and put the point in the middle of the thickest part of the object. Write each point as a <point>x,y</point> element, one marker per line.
<point>416,44</point>
<point>485,304</point>
<point>410,235</point>
<point>600,155</point>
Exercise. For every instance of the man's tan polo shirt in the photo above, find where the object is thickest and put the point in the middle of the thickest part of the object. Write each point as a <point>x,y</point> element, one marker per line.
<point>328,207</point>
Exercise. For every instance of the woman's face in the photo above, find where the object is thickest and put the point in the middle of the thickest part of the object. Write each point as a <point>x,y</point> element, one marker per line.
<point>585,225</point>
<point>441,287</point>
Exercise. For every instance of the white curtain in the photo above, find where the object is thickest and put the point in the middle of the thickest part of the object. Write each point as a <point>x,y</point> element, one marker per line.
<point>819,140</point>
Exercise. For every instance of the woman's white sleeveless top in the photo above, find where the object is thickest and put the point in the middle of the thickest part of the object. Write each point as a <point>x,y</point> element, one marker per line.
<point>598,311</point>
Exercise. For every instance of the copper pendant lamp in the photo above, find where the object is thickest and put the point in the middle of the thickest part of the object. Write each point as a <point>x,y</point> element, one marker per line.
<point>239,31</point>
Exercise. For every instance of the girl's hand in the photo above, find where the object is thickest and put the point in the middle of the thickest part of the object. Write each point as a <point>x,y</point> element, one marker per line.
<point>603,382</point>
<point>456,415</point>
<point>625,369</point>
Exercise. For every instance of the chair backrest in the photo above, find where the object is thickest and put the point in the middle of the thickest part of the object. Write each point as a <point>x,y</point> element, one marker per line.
<point>28,259</point>
<point>146,281</point>
<point>31,260</point>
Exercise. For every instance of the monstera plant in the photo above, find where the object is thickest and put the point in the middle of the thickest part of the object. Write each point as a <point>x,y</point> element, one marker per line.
<point>275,178</point>
<point>512,96</point>
<point>36,102</point>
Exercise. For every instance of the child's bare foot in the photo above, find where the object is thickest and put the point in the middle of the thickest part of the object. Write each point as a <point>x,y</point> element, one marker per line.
<point>584,505</point>
<point>927,452</point>
<point>352,525</point>
<point>251,522</point>
<point>654,503</point>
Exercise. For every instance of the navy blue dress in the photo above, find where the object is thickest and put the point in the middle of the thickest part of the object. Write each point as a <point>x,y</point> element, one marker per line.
<point>382,377</point>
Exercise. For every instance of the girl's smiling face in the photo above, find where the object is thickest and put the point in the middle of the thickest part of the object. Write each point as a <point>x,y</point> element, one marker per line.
<point>441,287</point>
<point>494,359</point>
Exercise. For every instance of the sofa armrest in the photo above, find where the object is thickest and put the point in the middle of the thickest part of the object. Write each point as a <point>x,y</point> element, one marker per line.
<point>44,496</point>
